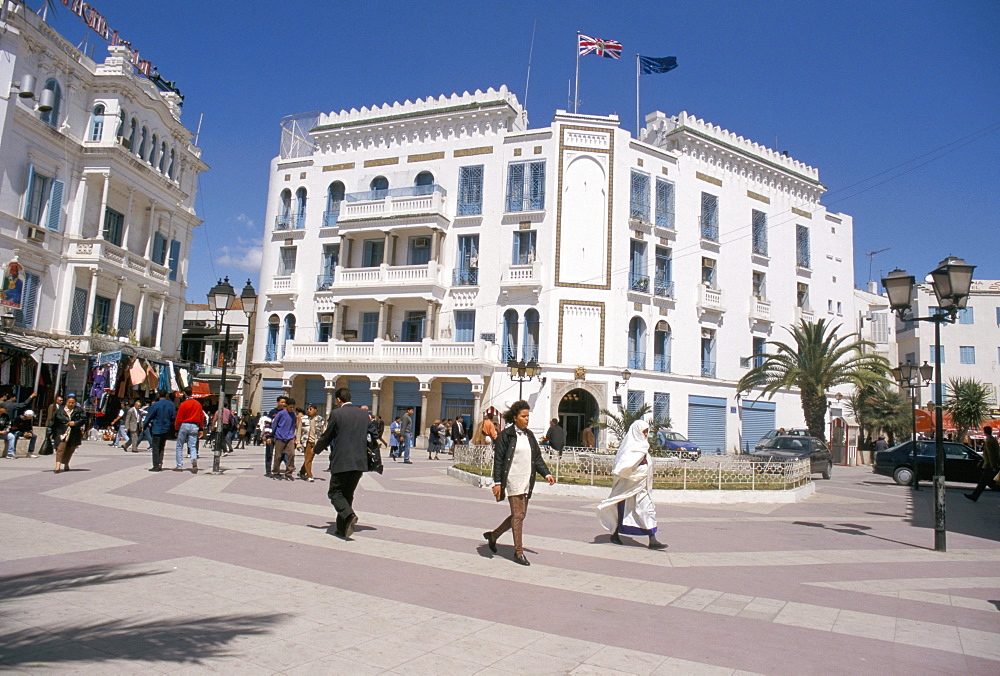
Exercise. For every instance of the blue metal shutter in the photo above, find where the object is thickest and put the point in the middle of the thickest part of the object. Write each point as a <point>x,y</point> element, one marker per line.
<point>405,393</point>
<point>316,394</point>
<point>270,391</point>
<point>361,393</point>
<point>710,217</point>
<point>515,187</point>
<point>707,423</point>
<point>639,201</point>
<point>175,255</point>
<point>758,420</point>
<point>465,326</point>
<point>78,315</point>
<point>25,317</point>
<point>664,204</point>
<point>159,248</point>
<point>537,186</point>
<point>55,205</point>
<point>470,190</point>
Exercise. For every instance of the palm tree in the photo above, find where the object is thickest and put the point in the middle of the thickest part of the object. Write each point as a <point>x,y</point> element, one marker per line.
<point>618,423</point>
<point>816,361</point>
<point>879,409</point>
<point>968,404</point>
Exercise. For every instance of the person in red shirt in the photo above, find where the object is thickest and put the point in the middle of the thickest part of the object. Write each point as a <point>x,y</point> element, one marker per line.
<point>188,422</point>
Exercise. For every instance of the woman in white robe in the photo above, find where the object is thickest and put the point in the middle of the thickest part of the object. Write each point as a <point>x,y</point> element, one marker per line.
<point>629,510</point>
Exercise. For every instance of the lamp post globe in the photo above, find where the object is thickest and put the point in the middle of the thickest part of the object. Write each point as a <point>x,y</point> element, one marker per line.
<point>248,297</point>
<point>951,281</point>
<point>898,286</point>
<point>221,296</point>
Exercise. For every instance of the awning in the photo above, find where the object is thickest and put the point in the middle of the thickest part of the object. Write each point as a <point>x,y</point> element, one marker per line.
<point>200,390</point>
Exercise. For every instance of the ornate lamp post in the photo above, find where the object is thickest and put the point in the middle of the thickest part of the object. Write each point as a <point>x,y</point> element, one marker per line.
<point>913,377</point>
<point>7,320</point>
<point>951,282</point>
<point>220,298</point>
<point>522,371</point>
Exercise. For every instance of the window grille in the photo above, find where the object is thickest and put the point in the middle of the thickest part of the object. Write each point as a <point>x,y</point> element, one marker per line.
<point>102,314</point>
<point>78,315</point>
<point>664,204</point>
<point>635,400</point>
<point>470,190</point>
<point>525,186</point>
<point>709,217</point>
<point>759,232</point>
<point>661,406</point>
<point>802,258</point>
<point>639,202</point>
<point>126,318</point>
<point>967,354</point>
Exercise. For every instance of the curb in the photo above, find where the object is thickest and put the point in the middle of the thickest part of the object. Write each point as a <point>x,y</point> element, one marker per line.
<point>660,496</point>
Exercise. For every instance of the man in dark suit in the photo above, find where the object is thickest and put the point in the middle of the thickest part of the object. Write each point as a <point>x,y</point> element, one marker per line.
<point>458,431</point>
<point>556,436</point>
<point>346,435</point>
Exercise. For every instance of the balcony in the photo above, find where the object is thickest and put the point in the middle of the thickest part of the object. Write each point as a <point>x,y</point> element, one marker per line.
<point>284,285</point>
<point>410,279</point>
<point>289,222</point>
<point>522,276</point>
<point>803,314</point>
<point>760,309</point>
<point>710,299</point>
<point>104,253</point>
<point>638,282</point>
<point>708,369</point>
<point>637,361</point>
<point>324,282</point>
<point>663,288</point>
<point>369,210</point>
<point>330,217</point>
<point>465,277</point>
<point>661,363</point>
<point>381,351</point>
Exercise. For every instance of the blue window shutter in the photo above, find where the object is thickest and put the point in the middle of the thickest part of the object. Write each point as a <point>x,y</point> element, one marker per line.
<point>664,204</point>
<point>639,202</point>
<point>159,246</point>
<point>515,187</point>
<point>470,190</point>
<point>803,259</point>
<point>55,205</point>
<point>25,317</point>
<point>175,254</point>
<point>709,217</point>
<point>537,185</point>
<point>27,193</point>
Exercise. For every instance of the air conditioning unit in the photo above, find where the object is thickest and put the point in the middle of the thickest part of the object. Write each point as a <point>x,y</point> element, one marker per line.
<point>124,143</point>
<point>421,242</point>
<point>36,235</point>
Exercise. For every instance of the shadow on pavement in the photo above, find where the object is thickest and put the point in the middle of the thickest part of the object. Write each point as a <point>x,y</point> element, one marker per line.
<point>978,519</point>
<point>854,529</point>
<point>61,579</point>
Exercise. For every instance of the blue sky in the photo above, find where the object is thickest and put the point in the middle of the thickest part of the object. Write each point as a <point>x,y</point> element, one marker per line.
<point>896,103</point>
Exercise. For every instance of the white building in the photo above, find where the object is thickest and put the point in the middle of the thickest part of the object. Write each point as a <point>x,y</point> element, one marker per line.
<point>413,249</point>
<point>970,347</point>
<point>97,186</point>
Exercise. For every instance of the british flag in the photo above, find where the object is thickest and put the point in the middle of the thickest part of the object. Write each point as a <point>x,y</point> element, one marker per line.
<point>609,49</point>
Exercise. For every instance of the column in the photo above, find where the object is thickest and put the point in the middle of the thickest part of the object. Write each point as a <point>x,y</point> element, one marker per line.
<point>338,321</point>
<point>116,310</point>
<point>140,314</point>
<point>425,417</point>
<point>375,401</point>
<point>128,218</point>
<point>388,318</point>
<point>88,325</point>
<point>104,206</point>
<point>74,219</point>
<point>152,229</point>
<point>329,385</point>
<point>429,321</point>
<point>158,329</point>
<point>435,245</point>
<point>387,246</point>
<point>381,320</point>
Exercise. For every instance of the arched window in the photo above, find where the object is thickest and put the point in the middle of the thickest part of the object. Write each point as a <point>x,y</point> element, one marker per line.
<point>379,186</point>
<point>271,352</point>
<point>661,347</point>
<point>531,335</point>
<point>170,168</point>
<point>131,135</point>
<point>284,218</point>
<point>51,117</point>
<point>424,183</point>
<point>121,124</point>
<point>637,343</point>
<point>143,142</point>
<point>300,208</point>
<point>163,156</point>
<point>508,350</point>
<point>334,196</point>
<point>152,152</point>
<point>97,122</point>
<point>289,332</point>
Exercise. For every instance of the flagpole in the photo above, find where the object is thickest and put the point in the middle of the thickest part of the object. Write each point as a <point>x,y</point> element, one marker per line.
<point>637,97</point>
<point>576,96</point>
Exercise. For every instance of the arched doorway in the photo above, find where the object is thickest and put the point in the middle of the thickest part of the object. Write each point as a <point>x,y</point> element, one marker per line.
<point>576,409</point>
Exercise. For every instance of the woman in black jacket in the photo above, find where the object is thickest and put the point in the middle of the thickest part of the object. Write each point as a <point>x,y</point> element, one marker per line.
<point>66,430</point>
<point>516,459</point>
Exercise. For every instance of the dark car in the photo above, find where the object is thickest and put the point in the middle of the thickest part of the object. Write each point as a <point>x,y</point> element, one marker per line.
<point>794,432</point>
<point>961,463</point>
<point>778,449</point>
<point>677,445</point>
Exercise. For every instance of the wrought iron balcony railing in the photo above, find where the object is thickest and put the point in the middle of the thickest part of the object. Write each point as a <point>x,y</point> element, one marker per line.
<point>638,282</point>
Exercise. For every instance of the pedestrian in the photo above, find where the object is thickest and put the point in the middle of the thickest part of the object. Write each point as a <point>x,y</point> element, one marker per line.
<point>241,430</point>
<point>629,510</point>
<point>133,425</point>
<point>394,428</point>
<point>22,427</point>
<point>458,432</point>
<point>587,438</point>
<point>227,426</point>
<point>990,463</point>
<point>117,427</point>
<point>556,436</point>
<point>310,427</point>
<point>189,424</point>
<point>158,424</point>
<point>48,445</point>
<point>434,442</point>
<point>5,423</point>
<point>144,433</point>
<point>67,427</point>
<point>283,432</point>
<point>406,435</point>
<point>489,429</point>
<point>516,459</point>
<point>346,435</point>
<point>13,406</point>
<point>446,434</point>
<point>268,433</point>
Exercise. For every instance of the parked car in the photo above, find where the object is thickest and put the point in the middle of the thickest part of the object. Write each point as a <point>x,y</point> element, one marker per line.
<point>794,432</point>
<point>961,463</point>
<point>677,445</point>
<point>789,447</point>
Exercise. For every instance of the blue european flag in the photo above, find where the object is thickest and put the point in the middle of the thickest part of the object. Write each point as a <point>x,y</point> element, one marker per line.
<point>657,64</point>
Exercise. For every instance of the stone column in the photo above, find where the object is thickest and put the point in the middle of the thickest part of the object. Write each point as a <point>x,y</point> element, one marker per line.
<point>116,310</point>
<point>152,229</point>
<point>429,321</point>
<point>158,329</point>
<point>104,206</point>
<point>128,218</point>
<point>338,321</point>
<point>330,386</point>
<point>387,246</point>
<point>140,314</point>
<point>435,245</point>
<point>381,320</point>
<point>90,303</point>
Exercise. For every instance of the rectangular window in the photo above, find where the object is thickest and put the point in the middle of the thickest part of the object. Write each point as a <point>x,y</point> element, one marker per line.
<point>840,308</point>
<point>465,326</point>
<point>159,255</point>
<point>709,217</point>
<point>636,398</point>
<point>802,296</point>
<point>708,272</point>
<point>371,253</point>
<point>420,250</point>
<point>523,252</point>
<point>36,196</point>
<point>114,226</point>
<point>911,357</point>
<point>759,281</point>
<point>802,257</point>
<point>759,348</point>
<point>25,317</point>
<point>661,408</point>
<point>829,307</point>
<point>880,327</point>
<point>286,264</point>
<point>78,315</point>
<point>470,190</point>
<point>664,273</point>
<point>966,315</point>
<point>967,354</point>
<point>369,326</point>
<point>708,355</point>
<point>759,227</point>
<point>126,318</point>
<point>638,279</point>
<point>467,266</point>
<point>154,324</point>
<point>998,316</point>
<point>413,326</point>
<point>664,204</point>
<point>331,255</point>
<point>526,186</point>
<point>324,329</point>
<point>941,350</point>
<point>102,315</point>
<point>639,202</point>
<point>174,261</point>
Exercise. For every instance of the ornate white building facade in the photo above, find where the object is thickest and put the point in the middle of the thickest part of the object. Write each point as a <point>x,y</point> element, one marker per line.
<point>97,186</point>
<point>414,249</point>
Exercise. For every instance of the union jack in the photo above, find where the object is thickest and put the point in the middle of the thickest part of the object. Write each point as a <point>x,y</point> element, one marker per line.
<point>609,49</point>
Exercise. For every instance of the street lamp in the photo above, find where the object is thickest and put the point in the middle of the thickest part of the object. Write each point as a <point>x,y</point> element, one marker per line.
<point>522,371</point>
<point>951,282</point>
<point>220,298</point>
<point>7,320</point>
<point>913,377</point>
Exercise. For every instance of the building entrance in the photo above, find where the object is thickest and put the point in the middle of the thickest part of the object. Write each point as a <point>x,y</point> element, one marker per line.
<point>577,409</point>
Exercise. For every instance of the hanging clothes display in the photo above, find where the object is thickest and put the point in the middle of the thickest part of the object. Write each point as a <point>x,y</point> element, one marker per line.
<point>182,377</point>
<point>152,378</point>
<point>173,377</point>
<point>136,374</point>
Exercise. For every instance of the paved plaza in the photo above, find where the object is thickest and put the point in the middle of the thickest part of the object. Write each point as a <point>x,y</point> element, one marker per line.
<point>112,569</point>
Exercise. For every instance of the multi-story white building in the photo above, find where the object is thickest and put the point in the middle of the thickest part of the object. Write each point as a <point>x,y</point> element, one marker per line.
<point>970,348</point>
<point>97,187</point>
<point>413,249</point>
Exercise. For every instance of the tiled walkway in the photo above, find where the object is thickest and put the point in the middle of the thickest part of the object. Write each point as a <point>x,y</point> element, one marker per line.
<point>112,569</point>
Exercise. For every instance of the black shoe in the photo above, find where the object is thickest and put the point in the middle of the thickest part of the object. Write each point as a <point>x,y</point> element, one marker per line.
<point>616,540</point>
<point>407,462</point>
<point>969,497</point>
<point>521,559</point>
<point>491,541</point>
<point>655,544</point>
<point>349,528</point>
<point>155,469</point>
